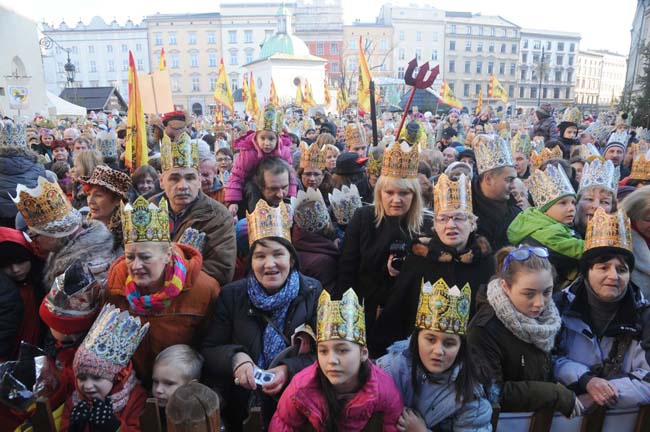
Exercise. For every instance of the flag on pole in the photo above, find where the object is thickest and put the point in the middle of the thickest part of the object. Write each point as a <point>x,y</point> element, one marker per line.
<point>496,90</point>
<point>163,63</point>
<point>328,98</point>
<point>308,99</point>
<point>341,100</point>
<point>222,91</point>
<point>363,86</point>
<point>447,96</point>
<point>244,91</point>
<point>300,100</point>
<point>252,98</point>
<point>273,95</point>
<point>479,104</point>
<point>136,150</point>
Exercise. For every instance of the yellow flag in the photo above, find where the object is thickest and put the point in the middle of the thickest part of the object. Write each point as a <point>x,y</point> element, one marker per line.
<point>341,100</point>
<point>363,86</point>
<point>244,92</point>
<point>136,150</point>
<point>273,95</point>
<point>308,100</point>
<point>254,106</point>
<point>328,98</point>
<point>479,104</point>
<point>163,63</point>
<point>496,90</point>
<point>300,100</point>
<point>447,96</point>
<point>222,91</point>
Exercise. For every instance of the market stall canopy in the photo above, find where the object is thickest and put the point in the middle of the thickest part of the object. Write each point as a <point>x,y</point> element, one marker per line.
<point>58,107</point>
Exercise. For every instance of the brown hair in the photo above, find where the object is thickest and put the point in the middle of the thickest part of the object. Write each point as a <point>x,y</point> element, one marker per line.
<point>532,264</point>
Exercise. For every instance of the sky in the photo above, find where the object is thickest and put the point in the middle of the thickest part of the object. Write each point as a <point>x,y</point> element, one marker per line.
<point>600,28</point>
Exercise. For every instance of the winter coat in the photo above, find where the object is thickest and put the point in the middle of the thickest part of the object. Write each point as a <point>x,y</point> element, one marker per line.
<point>212,218</point>
<point>247,161</point>
<point>546,127</point>
<point>397,319</point>
<point>436,399</point>
<point>182,322</point>
<point>494,217</point>
<point>581,353</point>
<point>318,256</point>
<point>303,403</point>
<point>92,245</point>
<point>18,165</point>
<point>522,372</point>
<point>641,272</point>
<point>564,245</point>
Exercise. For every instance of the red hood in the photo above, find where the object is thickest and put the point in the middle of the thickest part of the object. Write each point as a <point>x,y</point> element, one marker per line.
<point>14,236</point>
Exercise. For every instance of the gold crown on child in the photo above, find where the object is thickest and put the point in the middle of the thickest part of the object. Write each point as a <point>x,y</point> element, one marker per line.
<point>312,157</point>
<point>183,153</point>
<point>442,308</point>
<point>344,319</point>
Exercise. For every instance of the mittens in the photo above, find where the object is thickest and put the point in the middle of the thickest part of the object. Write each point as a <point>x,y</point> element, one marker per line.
<point>79,416</point>
<point>102,416</point>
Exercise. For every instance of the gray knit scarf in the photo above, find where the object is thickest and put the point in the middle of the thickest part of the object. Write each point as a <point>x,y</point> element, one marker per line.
<point>539,331</point>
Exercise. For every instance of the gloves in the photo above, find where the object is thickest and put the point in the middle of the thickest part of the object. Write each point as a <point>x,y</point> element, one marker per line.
<point>193,237</point>
<point>578,408</point>
<point>102,416</point>
<point>79,416</point>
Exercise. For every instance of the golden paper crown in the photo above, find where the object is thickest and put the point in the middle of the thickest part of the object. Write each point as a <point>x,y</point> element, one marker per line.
<point>608,230</point>
<point>183,153</point>
<point>46,209</point>
<point>588,152</point>
<point>491,153</point>
<point>572,115</point>
<point>538,159</point>
<point>374,165</point>
<point>521,143</point>
<point>270,119</point>
<point>504,129</point>
<point>599,173</point>
<point>142,221</point>
<point>469,139</point>
<point>641,167</point>
<point>442,308</point>
<point>548,185</point>
<point>400,161</point>
<point>267,221</point>
<point>449,195</point>
<point>312,157</point>
<point>344,319</point>
<point>355,134</point>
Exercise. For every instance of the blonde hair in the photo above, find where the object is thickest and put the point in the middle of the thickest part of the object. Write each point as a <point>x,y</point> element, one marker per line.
<point>325,139</point>
<point>637,204</point>
<point>414,214</point>
<point>85,162</point>
<point>332,148</point>
<point>184,358</point>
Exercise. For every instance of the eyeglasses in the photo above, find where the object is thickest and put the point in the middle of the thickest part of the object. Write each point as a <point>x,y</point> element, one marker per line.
<point>522,254</point>
<point>442,220</point>
<point>224,159</point>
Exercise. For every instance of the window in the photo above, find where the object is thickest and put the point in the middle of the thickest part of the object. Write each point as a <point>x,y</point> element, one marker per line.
<point>383,45</point>
<point>569,76</point>
<point>468,67</point>
<point>535,58</point>
<point>91,49</point>
<point>452,45</point>
<point>570,60</point>
<point>196,84</point>
<point>400,72</point>
<point>549,45</point>
<point>111,66</point>
<point>75,50</point>
<point>352,44</point>
<point>511,91</point>
<point>479,46</point>
<point>556,93</point>
<point>513,48</point>
<point>452,86</point>
<point>172,38</point>
<point>466,90</point>
<point>418,36</point>
<point>401,35</point>
<point>559,60</point>
<point>140,64</point>
<point>319,48</point>
<point>138,47</point>
<point>435,37</point>
<point>558,76</point>
<point>572,47</point>
<point>212,82</point>
<point>452,28</point>
<point>434,54</point>
<point>513,67</point>
<point>109,48</point>
<point>93,66</point>
<point>521,92</point>
<point>525,43</point>
<point>469,30</point>
<point>477,89</point>
<point>194,60</point>
<point>158,39</point>
<point>418,54</point>
<point>191,40</point>
<point>125,65</point>
<point>533,92</point>
<point>490,68</point>
<point>491,47</point>
<point>523,74</point>
<point>544,93</point>
<point>452,66</point>
<point>567,93</point>
<point>232,36</point>
<point>401,55</point>
<point>124,48</point>
<point>537,44</point>
<point>480,31</point>
<point>248,36</point>
<point>493,31</point>
<point>468,46</point>
<point>334,47</point>
<point>560,46</point>
<point>479,67</point>
<point>249,56</point>
<point>212,38</point>
<point>212,59</point>
<point>502,68</point>
<point>233,57</point>
<point>334,67</point>
<point>503,48</point>
<point>175,61</point>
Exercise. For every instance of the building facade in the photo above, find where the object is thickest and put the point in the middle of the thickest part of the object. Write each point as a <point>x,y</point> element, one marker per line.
<point>547,67</point>
<point>612,80</point>
<point>477,46</point>
<point>640,36</point>
<point>588,74</point>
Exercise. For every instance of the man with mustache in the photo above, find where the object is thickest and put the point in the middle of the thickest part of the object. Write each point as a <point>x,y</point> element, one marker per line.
<point>213,229</point>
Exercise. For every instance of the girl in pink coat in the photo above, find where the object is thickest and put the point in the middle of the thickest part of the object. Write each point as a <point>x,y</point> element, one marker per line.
<point>343,390</point>
<point>267,141</point>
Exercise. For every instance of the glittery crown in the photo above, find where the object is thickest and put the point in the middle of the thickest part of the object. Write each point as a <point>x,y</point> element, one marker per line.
<point>309,210</point>
<point>355,134</point>
<point>107,144</point>
<point>538,159</point>
<point>641,167</point>
<point>621,137</point>
<point>312,157</point>
<point>13,134</point>
<point>548,185</point>
<point>267,221</point>
<point>142,221</point>
<point>373,166</point>
<point>344,203</point>
<point>469,139</point>
<point>492,152</point>
<point>344,319</point>
<point>572,115</point>
<point>270,119</point>
<point>588,152</point>
<point>503,128</point>
<point>640,147</point>
<point>115,335</point>
<point>183,153</point>
<point>643,134</point>
<point>598,130</point>
<point>598,173</point>
<point>608,230</point>
<point>400,161</point>
<point>442,308</point>
<point>449,195</point>
<point>46,209</point>
<point>521,143</point>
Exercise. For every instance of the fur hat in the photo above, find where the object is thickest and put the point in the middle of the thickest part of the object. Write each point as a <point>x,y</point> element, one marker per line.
<point>115,181</point>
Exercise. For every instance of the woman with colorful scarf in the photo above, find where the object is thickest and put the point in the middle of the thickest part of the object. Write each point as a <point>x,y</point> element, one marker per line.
<point>160,282</point>
<point>256,317</point>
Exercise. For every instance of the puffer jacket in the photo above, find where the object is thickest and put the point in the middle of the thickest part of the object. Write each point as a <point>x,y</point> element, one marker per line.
<point>18,165</point>
<point>641,272</point>
<point>546,127</point>
<point>436,399</point>
<point>318,256</point>
<point>303,403</point>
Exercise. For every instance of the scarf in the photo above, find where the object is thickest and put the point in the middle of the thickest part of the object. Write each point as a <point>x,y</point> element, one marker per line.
<point>445,254</point>
<point>539,331</point>
<point>175,274</point>
<point>119,398</point>
<point>277,304</point>
<point>601,312</point>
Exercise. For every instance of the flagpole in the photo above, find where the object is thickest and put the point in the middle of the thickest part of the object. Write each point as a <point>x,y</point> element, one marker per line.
<point>373,113</point>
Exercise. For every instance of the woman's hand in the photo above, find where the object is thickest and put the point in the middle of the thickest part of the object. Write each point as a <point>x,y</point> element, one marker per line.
<point>391,270</point>
<point>279,381</point>
<point>410,421</point>
<point>243,367</point>
<point>602,391</point>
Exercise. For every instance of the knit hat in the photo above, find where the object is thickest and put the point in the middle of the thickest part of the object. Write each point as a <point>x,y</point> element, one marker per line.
<point>617,139</point>
<point>545,110</point>
<point>349,163</point>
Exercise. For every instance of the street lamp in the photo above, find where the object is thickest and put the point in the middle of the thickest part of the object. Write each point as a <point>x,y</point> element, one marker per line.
<point>70,70</point>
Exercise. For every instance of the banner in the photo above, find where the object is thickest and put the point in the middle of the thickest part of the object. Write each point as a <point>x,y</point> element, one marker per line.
<point>18,96</point>
<point>496,90</point>
<point>222,90</point>
<point>479,104</point>
<point>137,152</point>
<point>363,85</point>
<point>447,96</point>
<point>273,95</point>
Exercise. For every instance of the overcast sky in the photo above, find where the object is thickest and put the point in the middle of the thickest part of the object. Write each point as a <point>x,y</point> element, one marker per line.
<point>601,28</point>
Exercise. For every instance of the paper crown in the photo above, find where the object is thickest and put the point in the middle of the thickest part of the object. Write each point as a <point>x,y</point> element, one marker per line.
<point>469,139</point>
<point>374,165</point>
<point>309,210</point>
<point>270,119</point>
<point>572,115</point>
<point>503,129</point>
<point>637,148</point>
<point>442,308</point>
<point>643,134</point>
<point>598,130</point>
<point>13,134</point>
<point>400,161</point>
<point>641,167</point>
<point>355,134</point>
<point>588,152</point>
<point>46,209</point>
<point>548,185</point>
<point>449,195</point>
<point>142,221</point>
<point>598,173</point>
<point>312,157</point>
<point>267,221</point>
<point>344,319</point>
<point>491,153</point>
<point>107,144</point>
<point>521,143</point>
<point>183,153</point>
<point>608,230</point>
<point>538,159</point>
<point>114,336</point>
<point>344,203</point>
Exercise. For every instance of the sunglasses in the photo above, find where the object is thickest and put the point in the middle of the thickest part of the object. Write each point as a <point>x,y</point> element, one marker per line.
<point>523,253</point>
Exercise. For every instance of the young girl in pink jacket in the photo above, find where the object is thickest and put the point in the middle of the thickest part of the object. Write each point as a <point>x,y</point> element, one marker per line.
<point>343,390</point>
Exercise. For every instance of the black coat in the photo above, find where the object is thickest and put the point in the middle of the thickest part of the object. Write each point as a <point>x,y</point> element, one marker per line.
<point>522,372</point>
<point>493,217</point>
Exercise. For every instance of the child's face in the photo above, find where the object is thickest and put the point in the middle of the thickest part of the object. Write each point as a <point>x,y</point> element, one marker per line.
<point>437,350</point>
<point>340,361</point>
<point>18,272</point>
<point>267,141</point>
<point>92,386</point>
<point>63,337</point>
<point>563,211</point>
<point>166,379</point>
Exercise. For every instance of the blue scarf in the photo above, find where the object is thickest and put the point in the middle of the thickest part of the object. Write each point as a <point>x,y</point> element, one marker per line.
<point>276,306</point>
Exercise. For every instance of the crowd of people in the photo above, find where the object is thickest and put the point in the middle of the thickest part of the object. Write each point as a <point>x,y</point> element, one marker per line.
<point>331,278</point>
